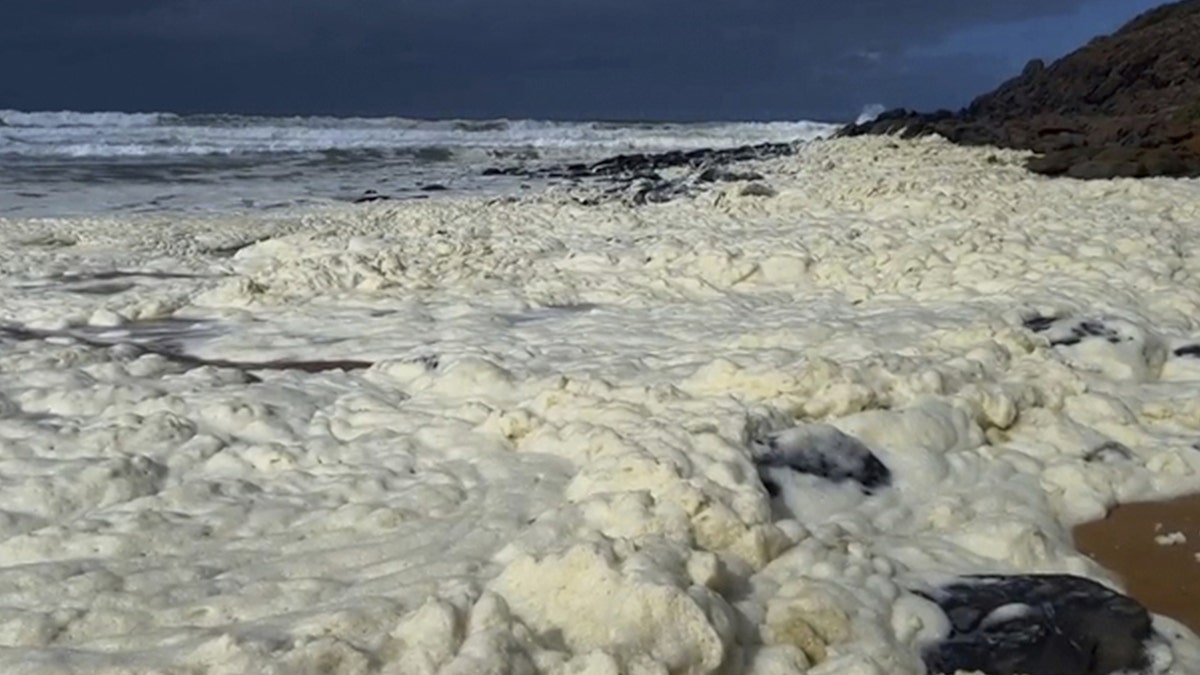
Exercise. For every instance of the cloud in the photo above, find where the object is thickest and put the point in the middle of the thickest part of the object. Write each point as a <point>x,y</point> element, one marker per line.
<point>819,21</point>
<point>614,58</point>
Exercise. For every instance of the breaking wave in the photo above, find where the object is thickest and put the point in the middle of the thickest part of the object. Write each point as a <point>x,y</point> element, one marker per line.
<point>67,134</point>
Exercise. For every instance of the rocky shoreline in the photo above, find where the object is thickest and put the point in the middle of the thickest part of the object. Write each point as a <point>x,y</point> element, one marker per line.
<point>1124,105</point>
<point>638,179</point>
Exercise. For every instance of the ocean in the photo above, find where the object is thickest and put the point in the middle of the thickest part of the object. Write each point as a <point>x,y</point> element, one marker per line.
<point>71,163</point>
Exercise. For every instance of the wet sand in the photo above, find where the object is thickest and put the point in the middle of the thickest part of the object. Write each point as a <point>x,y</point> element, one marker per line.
<point>1160,568</point>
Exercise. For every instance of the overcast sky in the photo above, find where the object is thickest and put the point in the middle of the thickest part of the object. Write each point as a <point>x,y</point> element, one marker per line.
<point>560,59</point>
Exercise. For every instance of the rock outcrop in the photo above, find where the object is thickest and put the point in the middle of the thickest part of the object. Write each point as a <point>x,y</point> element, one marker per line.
<point>635,178</point>
<point>1039,625</point>
<point>1126,104</point>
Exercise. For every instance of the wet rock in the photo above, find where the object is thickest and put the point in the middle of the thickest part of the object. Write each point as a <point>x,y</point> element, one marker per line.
<point>1053,624</point>
<point>1111,346</point>
<point>718,174</point>
<point>1188,350</point>
<point>1038,323</point>
<point>823,451</point>
<point>369,196</point>
<point>1063,332</point>
<point>434,187</point>
<point>631,175</point>
<point>1073,334</point>
<point>1124,105</point>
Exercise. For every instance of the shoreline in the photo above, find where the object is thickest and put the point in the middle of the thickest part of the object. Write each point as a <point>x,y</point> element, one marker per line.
<point>134,163</point>
<point>560,411</point>
<point>1154,547</point>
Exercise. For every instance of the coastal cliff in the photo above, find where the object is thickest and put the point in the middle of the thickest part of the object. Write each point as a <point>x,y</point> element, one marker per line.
<point>1125,104</point>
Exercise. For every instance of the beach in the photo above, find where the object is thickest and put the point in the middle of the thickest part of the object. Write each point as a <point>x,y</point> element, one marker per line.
<point>524,437</point>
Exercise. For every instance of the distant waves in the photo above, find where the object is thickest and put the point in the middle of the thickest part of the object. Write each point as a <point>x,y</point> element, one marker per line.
<point>73,134</point>
<point>80,163</point>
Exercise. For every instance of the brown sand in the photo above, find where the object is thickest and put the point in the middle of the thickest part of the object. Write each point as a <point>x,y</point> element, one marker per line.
<point>1163,577</point>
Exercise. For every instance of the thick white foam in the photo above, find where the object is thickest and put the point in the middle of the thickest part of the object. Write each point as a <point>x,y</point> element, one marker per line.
<point>549,467</point>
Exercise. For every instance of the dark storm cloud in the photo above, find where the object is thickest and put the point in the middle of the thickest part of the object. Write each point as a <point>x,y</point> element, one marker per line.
<point>545,58</point>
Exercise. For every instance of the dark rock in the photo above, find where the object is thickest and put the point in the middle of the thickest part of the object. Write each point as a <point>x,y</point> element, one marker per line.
<point>1188,350</point>
<point>635,163</point>
<point>370,196</point>
<point>718,174</point>
<point>1038,625</point>
<point>646,175</point>
<point>429,361</point>
<point>1137,90</point>
<point>1164,161</point>
<point>1053,164</point>
<point>1064,333</point>
<point>1088,169</point>
<point>1038,323</point>
<point>823,451</point>
<point>631,171</point>
<point>1109,452</point>
<point>434,187</point>
<point>1093,328</point>
<point>1057,139</point>
<point>1033,68</point>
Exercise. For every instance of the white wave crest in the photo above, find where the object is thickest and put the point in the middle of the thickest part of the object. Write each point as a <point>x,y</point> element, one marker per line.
<point>870,113</point>
<point>117,135</point>
<point>68,118</point>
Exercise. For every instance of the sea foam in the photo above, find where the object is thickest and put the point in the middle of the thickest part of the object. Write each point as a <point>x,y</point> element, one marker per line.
<point>550,465</point>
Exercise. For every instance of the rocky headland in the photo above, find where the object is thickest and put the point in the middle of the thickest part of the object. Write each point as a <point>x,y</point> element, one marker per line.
<point>1123,105</point>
